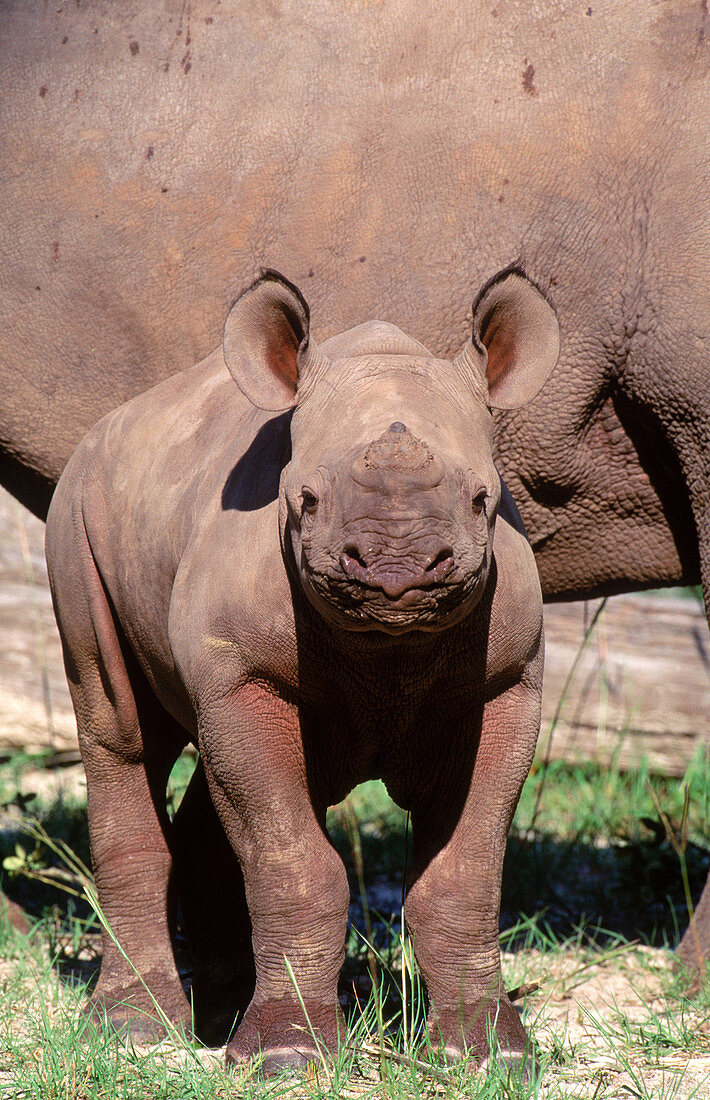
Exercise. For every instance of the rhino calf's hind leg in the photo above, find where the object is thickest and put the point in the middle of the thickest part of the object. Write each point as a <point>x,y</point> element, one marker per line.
<point>133,870</point>
<point>128,751</point>
<point>214,914</point>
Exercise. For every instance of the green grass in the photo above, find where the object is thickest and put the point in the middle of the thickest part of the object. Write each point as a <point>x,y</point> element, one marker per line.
<point>595,873</point>
<point>599,854</point>
<point>49,1049</point>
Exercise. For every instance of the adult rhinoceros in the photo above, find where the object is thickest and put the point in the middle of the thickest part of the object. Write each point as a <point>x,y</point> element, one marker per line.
<point>387,157</point>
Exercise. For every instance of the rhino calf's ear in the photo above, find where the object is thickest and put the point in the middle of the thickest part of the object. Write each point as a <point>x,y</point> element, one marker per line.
<point>266,340</point>
<point>515,339</point>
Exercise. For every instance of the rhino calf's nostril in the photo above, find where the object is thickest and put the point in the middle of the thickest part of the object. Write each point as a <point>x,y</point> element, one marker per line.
<point>440,565</point>
<point>442,556</point>
<point>354,554</point>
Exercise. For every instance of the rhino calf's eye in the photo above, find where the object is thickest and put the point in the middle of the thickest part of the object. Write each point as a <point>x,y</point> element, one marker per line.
<point>309,501</point>
<point>478,503</point>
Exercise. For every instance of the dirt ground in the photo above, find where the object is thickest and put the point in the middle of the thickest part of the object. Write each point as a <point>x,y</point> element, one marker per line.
<point>608,1009</point>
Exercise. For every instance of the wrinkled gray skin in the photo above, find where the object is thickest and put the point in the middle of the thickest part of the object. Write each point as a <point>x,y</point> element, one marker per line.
<point>315,598</point>
<point>387,159</point>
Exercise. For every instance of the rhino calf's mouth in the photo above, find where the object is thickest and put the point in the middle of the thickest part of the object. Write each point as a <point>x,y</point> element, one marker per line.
<point>395,582</point>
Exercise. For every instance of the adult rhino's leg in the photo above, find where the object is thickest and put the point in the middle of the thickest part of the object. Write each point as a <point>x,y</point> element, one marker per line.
<point>453,905</point>
<point>12,915</point>
<point>296,886</point>
<point>682,419</point>
<point>128,751</point>
<point>694,947</point>
<point>214,913</point>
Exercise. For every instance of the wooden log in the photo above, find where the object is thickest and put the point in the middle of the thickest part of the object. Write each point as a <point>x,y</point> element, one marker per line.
<point>35,708</point>
<point>641,688</point>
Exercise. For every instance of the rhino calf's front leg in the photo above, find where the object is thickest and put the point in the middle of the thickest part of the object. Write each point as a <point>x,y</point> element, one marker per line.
<point>296,885</point>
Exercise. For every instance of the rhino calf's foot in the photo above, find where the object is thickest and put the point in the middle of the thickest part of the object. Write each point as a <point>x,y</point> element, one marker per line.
<point>495,1022</point>
<point>134,1015</point>
<point>268,1032</point>
<point>517,1067</point>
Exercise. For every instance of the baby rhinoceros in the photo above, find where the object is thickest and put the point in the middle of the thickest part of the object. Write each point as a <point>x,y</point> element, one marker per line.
<point>315,576</point>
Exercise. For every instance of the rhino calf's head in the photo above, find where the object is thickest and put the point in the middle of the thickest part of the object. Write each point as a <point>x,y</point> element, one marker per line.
<point>389,501</point>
